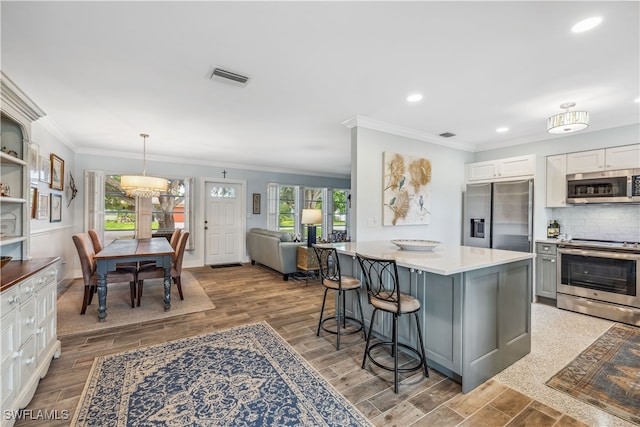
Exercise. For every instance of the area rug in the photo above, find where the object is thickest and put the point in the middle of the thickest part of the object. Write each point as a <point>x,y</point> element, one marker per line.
<point>607,373</point>
<point>119,311</point>
<point>245,376</point>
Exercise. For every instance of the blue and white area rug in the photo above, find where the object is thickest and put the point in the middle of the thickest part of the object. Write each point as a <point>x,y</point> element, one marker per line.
<point>245,376</point>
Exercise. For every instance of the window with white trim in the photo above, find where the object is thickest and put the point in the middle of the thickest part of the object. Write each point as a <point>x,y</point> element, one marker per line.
<point>285,204</point>
<point>113,213</point>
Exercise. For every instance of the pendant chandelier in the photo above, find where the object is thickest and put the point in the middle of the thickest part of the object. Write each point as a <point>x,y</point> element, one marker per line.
<point>569,121</point>
<point>143,185</point>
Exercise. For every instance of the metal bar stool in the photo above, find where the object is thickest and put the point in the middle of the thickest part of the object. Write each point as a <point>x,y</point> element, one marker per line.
<point>332,279</point>
<point>383,290</point>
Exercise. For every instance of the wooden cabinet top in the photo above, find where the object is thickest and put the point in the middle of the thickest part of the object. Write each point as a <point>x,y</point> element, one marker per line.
<point>17,271</point>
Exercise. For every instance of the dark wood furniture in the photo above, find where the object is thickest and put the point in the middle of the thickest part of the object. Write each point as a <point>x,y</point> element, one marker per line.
<point>86,253</point>
<point>158,250</point>
<point>153,272</point>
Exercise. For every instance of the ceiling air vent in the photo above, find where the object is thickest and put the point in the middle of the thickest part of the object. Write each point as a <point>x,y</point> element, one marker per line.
<point>447,134</point>
<point>228,76</point>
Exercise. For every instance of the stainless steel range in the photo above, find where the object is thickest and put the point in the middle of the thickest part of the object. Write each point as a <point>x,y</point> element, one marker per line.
<point>600,278</point>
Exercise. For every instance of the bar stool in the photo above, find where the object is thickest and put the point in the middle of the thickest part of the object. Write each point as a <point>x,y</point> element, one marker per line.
<point>332,279</point>
<point>383,290</point>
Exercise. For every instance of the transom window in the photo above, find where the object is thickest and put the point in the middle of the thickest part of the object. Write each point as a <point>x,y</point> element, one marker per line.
<point>226,192</point>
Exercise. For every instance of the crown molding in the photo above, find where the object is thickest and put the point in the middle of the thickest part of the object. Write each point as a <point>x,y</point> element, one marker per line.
<point>51,127</point>
<point>15,98</point>
<point>373,124</point>
<point>203,162</point>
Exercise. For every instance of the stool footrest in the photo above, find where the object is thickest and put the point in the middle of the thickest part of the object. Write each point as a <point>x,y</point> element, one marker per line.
<point>339,321</point>
<point>418,366</point>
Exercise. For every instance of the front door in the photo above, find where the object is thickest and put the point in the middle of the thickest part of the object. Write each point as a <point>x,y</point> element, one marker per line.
<point>224,223</point>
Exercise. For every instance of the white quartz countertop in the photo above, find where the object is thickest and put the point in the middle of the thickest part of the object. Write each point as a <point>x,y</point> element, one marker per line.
<point>444,259</point>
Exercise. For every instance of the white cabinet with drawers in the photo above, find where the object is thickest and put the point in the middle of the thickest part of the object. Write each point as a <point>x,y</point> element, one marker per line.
<point>28,331</point>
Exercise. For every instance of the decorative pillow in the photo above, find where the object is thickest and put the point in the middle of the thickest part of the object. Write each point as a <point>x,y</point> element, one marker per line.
<point>285,237</point>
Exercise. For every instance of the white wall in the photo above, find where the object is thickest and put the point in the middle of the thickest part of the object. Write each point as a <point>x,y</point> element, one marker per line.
<point>54,238</point>
<point>447,184</point>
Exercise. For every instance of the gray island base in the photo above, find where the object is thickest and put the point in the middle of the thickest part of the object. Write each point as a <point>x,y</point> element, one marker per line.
<point>475,305</point>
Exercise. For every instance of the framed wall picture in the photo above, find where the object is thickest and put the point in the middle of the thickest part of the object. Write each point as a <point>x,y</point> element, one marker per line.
<point>406,191</point>
<point>256,203</point>
<point>45,169</point>
<point>32,161</point>
<point>56,208</point>
<point>34,202</point>
<point>43,206</point>
<point>57,173</point>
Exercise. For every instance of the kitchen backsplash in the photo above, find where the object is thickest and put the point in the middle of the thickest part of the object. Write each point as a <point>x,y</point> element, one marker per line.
<point>600,222</point>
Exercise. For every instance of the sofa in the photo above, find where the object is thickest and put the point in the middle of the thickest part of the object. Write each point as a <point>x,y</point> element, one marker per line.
<point>273,249</point>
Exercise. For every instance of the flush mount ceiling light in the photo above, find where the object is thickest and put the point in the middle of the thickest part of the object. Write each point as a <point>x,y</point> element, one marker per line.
<point>414,97</point>
<point>502,129</point>
<point>143,185</point>
<point>569,121</point>
<point>586,24</point>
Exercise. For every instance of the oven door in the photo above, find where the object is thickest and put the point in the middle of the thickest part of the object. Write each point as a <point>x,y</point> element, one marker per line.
<point>600,275</point>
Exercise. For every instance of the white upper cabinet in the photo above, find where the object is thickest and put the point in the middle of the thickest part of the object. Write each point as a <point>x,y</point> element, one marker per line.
<point>624,157</point>
<point>556,183</point>
<point>497,170</point>
<point>585,161</point>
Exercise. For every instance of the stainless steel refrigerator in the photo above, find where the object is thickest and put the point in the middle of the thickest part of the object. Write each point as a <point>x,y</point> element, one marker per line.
<point>499,215</point>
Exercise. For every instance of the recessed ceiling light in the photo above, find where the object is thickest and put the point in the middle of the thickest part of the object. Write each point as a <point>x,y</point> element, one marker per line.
<point>414,97</point>
<point>502,129</point>
<point>586,24</point>
<point>636,100</point>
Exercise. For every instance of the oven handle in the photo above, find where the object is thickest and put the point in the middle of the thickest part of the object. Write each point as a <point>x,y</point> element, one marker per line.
<point>601,254</point>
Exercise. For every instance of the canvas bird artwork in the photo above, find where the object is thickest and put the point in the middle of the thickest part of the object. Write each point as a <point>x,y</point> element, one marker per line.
<point>406,195</point>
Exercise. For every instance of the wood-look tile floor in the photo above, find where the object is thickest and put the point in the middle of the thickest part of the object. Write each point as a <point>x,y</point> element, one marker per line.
<point>250,294</point>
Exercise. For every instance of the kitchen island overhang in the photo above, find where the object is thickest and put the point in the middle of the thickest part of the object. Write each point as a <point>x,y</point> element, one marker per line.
<point>475,305</point>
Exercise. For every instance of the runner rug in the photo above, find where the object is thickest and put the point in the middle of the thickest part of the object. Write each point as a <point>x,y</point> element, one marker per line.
<point>607,373</point>
<point>245,376</point>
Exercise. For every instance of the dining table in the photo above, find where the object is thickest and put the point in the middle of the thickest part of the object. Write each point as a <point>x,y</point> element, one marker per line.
<point>120,251</point>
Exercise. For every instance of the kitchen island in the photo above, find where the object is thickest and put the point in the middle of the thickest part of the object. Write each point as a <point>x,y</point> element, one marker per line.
<point>475,305</point>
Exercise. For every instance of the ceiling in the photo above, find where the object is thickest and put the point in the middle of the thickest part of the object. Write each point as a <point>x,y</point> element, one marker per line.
<point>104,72</point>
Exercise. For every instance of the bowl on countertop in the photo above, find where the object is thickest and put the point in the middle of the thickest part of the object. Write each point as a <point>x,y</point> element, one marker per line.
<point>4,260</point>
<point>416,245</point>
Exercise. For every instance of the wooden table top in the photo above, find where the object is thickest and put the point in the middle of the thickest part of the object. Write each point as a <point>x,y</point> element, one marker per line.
<point>135,247</point>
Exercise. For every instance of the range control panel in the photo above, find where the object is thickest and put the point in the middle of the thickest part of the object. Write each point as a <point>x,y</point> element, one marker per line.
<point>635,185</point>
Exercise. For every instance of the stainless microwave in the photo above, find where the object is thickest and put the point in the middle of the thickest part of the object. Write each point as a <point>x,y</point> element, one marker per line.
<point>617,186</point>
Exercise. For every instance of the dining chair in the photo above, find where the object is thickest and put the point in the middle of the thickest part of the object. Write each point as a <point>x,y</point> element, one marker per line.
<point>98,245</point>
<point>174,238</point>
<point>383,290</point>
<point>153,272</point>
<point>86,253</point>
<point>332,279</point>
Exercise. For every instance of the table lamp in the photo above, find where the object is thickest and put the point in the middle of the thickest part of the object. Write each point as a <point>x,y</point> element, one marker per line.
<point>311,217</point>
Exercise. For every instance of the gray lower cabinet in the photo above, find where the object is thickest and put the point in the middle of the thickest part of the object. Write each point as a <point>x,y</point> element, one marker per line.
<point>546,270</point>
<point>474,324</point>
